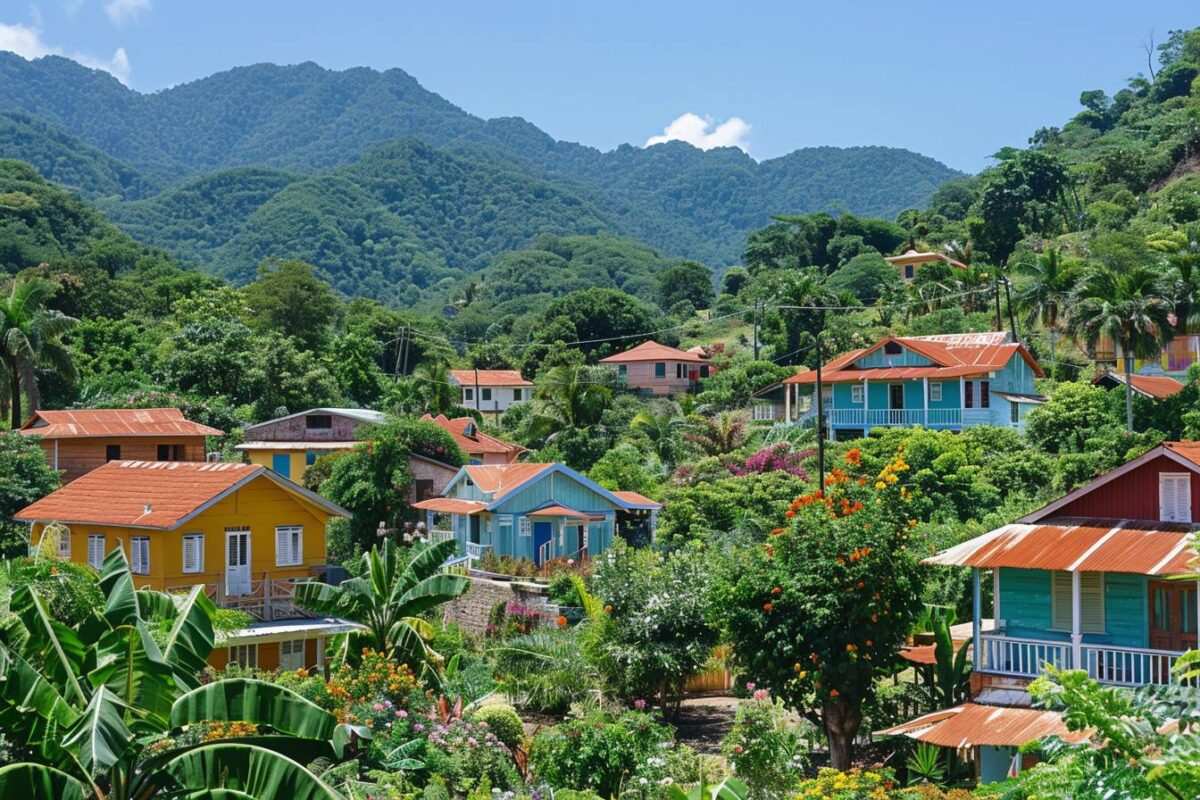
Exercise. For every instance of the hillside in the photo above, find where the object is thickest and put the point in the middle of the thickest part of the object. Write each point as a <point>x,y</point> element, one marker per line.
<point>306,119</point>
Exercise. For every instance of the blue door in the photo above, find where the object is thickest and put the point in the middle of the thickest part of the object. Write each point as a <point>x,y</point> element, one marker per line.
<point>282,464</point>
<point>542,533</point>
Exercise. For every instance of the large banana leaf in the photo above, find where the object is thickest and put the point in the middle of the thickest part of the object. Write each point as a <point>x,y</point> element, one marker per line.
<point>430,593</point>
<point>130,664</point>
<point>62,651</point>
<point>191,638</point>
<point>116,584</point>
<point>25,690</point>
<point>99,737</point>
<point>243,700</point>
<point>213,771</point>
<point>334,601</point>
<point>38,782</point>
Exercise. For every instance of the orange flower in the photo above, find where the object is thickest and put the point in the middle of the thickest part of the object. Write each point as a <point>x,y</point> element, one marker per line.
<point>777,590</point>
<point>833,692</point>
<point>854,456</point>
<point>868,643</point>
<point>562,621</point>
<point>608,609</point>
<point>768,607</point>
<point>777,531</point>
<point>850,648</point>
<point>789,513</point>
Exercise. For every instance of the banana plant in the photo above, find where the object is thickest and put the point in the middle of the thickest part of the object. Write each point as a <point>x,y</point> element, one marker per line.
<point>104,706</point>
<point>388,598</point>
<point>728,789</point>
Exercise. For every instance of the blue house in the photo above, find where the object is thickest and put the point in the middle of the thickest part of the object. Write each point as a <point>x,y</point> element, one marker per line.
<point>536,511</point>
<point>1102,580</point>
<point>947,382</point>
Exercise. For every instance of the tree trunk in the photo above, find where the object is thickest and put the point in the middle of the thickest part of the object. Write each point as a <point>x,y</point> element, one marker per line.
<point>1128,392</point>
<point>14,384</point>
<point>841,726</point>
<point>1053,363</point>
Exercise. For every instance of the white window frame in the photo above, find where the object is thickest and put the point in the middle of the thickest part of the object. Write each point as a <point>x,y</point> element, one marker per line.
<point>935,392</point>
<point>137,564</point>
<point>96,560</point>
<point>292,555</point>
<point>1092,587</point>
<point>64,544</point>
<point>525,527</point>
<point>856,393</point>
<point>244,655</point>
<point>1183,507</point>
<point>504,522</point>
<point>294,647</point>
<point>197,540</point>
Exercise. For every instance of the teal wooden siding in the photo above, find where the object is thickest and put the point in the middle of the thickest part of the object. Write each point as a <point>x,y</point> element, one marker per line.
<point>950,395</point>
<point>905,358</point>
<point>555,488</point>
<point>1025,606</point>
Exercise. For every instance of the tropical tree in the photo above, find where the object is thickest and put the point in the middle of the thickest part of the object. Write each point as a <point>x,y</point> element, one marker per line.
<point>571,397</point>
<point>1128,306</point>
<point>1043,296</point>
<point>717,436</point>
<point>388,598</point>
<point>30,339</point>
<point>431,384</point>
<point>661,427</point>
<point>104,707</point>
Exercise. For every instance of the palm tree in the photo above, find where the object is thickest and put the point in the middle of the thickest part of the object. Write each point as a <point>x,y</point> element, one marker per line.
<point>431,383</point>
<point>660,427</point>
<point>30,339</point>
<point>388,598</point>
<point>1131,308</point>
<point>570,397</point>
<point>1043,296</point>
<point>720,435</point>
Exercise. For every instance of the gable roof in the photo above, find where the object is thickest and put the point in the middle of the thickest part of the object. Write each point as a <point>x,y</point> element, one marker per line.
<point>1153,386</point>
<point>953,356</point>
<point>358,414</point>
<point>652,351</point>
<point>972,725</point>
<point>93,422</point>
<point>488,377</point>
<point>475,442</point>
<point>155,494</point>
<point>913,257</point>
<point>504,480</point>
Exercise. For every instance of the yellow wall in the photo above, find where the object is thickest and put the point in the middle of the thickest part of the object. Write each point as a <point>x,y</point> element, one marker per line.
<point>296,458</point>
<point>261,505</point>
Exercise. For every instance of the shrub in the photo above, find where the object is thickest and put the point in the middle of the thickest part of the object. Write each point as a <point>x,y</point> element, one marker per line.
<point>503,721</point>
<point>762,749</point>
<point>562,590</point>
<point>597,751</point>
<point>467,754</point>
<point>70,589</point>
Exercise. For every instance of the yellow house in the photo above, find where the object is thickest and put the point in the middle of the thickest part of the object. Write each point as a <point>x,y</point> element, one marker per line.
<point>241,530</point>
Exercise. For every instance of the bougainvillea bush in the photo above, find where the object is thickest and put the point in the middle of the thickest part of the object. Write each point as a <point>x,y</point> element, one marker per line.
<point>778,457</point>
<point>818,611</point>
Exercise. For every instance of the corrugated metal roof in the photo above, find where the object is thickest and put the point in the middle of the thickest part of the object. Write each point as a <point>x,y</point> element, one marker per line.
<point>913,257</point>
<point>971,725</point>
<point>93,422</point>
<point>635,499</point>
<point>488,377</point>
<point>499,479</point>
<point>450,505</point>
<point>1155,386</point>
<point>360,414</point>
<point>1078,545</point>
<point>559,511</point>
<point>951,357</point>
<point>652,351</point>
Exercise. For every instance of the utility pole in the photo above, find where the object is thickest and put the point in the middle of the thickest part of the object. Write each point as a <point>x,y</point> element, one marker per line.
<point>477,408</point>
<point>757,305</point>
<point>820,421</point>
<point>996,292</point>
<point>1012,320</point>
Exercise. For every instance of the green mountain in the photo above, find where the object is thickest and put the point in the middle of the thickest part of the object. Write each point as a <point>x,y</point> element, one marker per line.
<point>309,120</point>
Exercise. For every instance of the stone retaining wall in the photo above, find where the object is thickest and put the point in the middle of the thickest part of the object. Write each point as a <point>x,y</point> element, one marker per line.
<point>472,609</point>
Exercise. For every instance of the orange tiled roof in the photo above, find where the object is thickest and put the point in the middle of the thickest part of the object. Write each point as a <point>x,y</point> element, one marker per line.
<point>652,351</point>
<point>478,442</point>
<point>951,359</point>
<point>88,422</point>
<point>499,479</point>
<point>488,377</point>
<point>450,505</point>
<point>152,494</point>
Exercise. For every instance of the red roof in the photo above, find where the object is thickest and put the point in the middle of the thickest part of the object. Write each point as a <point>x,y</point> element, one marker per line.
<point>450,505</point>
<point>90,422</point>
<point>559,511</point>
<point>488,377</point>
<point>1079,545</point>
<point>1155,386</point>
<point>913,257</point>
<point>636,499</point>
<point>972,725</point>
<point>652,351</point>
<point>499,479</point>
<point>154,494</point>
<point>476,441</point>
<point>952,357</point>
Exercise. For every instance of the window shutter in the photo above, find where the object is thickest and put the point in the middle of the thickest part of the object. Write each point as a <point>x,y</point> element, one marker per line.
<point>288,547</point>
<point>984,394</point>
<point>1174,497</point>
<point>969,394</point>
<point>1061,603</point>
<point>193,552</point>
<point>95,553</point>
<point>1091,597</point>
<point>139,555</point>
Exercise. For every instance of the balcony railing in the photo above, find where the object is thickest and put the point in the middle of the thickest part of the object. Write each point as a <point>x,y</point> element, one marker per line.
<point>1120,666</point>
<point>896,417</point>
<point>267,598</point>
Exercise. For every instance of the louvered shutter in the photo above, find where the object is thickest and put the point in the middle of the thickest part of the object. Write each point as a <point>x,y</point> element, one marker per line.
<point>193,552</point>
<point>1091,598</point>
<point>139,555</point>
<point>95,553</point>
<point>1174,497</point>
<point>288,546</point>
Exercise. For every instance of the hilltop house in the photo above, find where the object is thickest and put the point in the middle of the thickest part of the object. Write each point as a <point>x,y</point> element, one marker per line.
<point>245,533</point>
<point>1084,583</point>
<point>535,511</point>
<point>1174,358</point>
<point>910,261</point>
<point>1156,387</point>
<point>479,447</point>
<point>659,369</point>
<point>76,442</point>
<point>491,391</point>
<point>947,382</point>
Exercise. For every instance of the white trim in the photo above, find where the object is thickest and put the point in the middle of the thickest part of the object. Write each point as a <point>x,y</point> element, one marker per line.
<point>137,565</point>
<point>524,527</point>
<point>199,556</point>
<point>293,659</point>
<point>935,387</point>
<point>292,553</point>
<point>103,541</point>
<point>1181,480</point>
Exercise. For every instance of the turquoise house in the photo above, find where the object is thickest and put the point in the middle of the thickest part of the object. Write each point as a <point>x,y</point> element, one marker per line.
<point>947,382</point>
<point>1101,580</point>
<point>540,512</point>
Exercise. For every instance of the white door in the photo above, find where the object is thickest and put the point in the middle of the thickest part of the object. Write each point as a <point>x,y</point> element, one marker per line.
<point>237,562</point>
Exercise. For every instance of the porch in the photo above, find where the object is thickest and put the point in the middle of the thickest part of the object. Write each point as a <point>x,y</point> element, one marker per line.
<point>937,418</point>
<point>265,599</point>
<point>1015,657</point>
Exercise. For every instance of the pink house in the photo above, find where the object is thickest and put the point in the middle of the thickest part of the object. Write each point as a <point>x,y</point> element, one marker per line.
<point>659,369</point>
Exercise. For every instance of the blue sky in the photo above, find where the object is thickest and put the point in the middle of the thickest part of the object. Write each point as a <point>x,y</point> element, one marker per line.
<point>955,81</point>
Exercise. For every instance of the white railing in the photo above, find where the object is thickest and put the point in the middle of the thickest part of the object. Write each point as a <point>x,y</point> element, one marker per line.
<point>1127,666</point>
<point>439,535</point>
<point>475,553</point>
<point>1004,655</point>
<point>546,552</point>
<point>267,598</point>
<point>896,417</point>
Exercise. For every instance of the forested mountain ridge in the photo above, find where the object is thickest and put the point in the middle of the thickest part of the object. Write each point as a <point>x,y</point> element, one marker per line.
<point>303,118</point>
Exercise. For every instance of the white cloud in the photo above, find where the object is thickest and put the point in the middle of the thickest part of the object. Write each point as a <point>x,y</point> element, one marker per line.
<point>121,11</point>
<point>27,42</point>
<point>703,132</point>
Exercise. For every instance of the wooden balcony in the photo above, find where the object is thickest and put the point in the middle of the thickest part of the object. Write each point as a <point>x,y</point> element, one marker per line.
<point>1119,666</point>
<point>267,599</point>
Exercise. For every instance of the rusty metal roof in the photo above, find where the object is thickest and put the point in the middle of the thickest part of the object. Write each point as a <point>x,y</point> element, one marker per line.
<point>1079,545</point>
<point>972,725</point>
<point>91,422</point>
<point>450,505</point>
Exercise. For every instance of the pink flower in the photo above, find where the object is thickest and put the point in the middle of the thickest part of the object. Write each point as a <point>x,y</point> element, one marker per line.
<point>400,712</point>
<point>378,706</point>
<point>639,704</point>
<point>750,686</point>
<point>761,694</point>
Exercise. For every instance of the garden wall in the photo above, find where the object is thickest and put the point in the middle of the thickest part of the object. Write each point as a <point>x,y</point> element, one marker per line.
<point>472,609</point>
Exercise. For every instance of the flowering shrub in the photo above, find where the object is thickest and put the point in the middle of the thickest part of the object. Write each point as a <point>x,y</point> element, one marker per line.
<point>599,751</point>
<point>513,619</point>
<point>778,457</point>
<point>761,747</point>
<point>832,784</point>
<point>468,753</point>
<point>378,679</point>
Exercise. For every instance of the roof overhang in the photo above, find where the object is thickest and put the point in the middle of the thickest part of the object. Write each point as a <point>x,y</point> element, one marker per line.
<point>973,725</point>
<point>331,446</point>
<point>450,505</point>
<point>288,629</point>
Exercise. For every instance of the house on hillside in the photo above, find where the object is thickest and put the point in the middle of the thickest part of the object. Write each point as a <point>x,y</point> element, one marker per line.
<point>1084,583</point>
<point>659,369</point>
<point>946,382</point>
<point>479,447</point>
<point>491,391</point>
<point>535,511</point>
<point>289,445</point>
<point>245,533</point>
<point>78,441</point>
<point>1174,358</point>
<point>910,261</point>
<point>1156,387</point>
